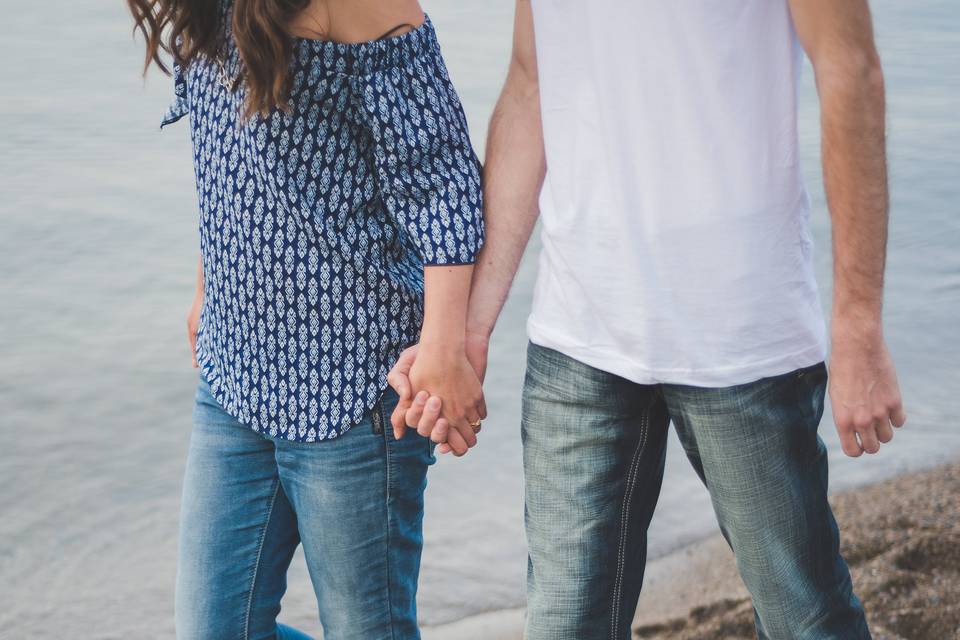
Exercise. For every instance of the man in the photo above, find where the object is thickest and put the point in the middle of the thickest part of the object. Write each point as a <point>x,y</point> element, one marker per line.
<point>676,284</point>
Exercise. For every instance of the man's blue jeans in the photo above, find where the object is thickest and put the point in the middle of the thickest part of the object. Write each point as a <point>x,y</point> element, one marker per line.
<point>594,450</point>
<point>355,503</point>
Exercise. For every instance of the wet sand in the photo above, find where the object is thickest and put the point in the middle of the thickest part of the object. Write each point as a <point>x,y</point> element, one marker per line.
<point>901,538</point>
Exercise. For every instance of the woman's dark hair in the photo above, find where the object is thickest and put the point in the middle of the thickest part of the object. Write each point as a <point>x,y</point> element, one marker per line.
<point>185,29</point>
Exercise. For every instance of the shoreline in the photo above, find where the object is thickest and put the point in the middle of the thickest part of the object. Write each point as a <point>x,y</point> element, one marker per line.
<point>900,537</point>
<point>664,595</point>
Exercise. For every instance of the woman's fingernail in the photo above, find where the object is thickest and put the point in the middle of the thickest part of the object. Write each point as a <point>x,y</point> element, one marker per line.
<point>434,403</point>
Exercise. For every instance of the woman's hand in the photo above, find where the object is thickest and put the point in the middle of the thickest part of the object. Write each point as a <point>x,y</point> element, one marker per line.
<point>193,317</point>
<point>410,410</point>
<point>444,373</point>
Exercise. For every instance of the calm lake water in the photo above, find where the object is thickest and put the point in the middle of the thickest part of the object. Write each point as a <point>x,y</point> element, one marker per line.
<point>97,252</point>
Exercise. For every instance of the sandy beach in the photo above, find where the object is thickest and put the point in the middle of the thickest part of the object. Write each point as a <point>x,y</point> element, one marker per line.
<point>901,538</point>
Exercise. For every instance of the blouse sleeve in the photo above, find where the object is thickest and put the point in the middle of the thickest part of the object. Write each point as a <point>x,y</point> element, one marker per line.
<point>428,172</point>
<point>180,105</point>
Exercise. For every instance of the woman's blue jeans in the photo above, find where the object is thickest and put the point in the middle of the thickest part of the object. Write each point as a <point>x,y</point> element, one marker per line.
<point>594,448</point>
<point>354,502</point>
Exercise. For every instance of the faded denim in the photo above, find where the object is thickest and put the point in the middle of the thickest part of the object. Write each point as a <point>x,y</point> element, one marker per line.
<point>594,451</point>
<point>354,502</point>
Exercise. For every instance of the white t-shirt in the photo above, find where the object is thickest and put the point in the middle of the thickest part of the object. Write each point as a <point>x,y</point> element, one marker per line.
<point>674,217</point>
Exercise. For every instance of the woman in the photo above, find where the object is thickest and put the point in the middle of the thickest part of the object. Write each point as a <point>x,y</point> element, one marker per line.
<point>340,211</point>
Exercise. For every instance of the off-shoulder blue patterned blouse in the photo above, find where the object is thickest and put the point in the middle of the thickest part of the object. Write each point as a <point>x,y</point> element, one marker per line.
<point>316,223</point>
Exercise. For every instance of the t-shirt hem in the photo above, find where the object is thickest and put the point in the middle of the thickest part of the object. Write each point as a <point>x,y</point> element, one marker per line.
<point>714,377</point>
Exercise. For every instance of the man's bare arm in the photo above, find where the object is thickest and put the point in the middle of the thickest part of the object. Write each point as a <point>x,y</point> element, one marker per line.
<point>513,176</point>
<point>838,38</point>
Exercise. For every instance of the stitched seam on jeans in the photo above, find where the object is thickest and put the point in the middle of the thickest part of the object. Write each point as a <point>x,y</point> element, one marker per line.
<point>256,564</point>
<point>388,480</point>
<point>632,475</point>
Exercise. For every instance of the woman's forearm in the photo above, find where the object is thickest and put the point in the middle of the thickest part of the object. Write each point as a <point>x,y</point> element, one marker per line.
<point>446,293</point>
<point>442,368</point>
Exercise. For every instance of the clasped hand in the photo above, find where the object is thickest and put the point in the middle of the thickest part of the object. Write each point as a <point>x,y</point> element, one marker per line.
<point>440,396</point>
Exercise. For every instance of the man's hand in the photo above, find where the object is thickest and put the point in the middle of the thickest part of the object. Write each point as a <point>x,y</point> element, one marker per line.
<point>424,409</point>
<point>399,379</point>
<point>863,391</point>
<point>838,39</point>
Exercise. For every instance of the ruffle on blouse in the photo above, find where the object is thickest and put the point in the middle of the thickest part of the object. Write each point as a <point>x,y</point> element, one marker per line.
<point>180,106</point>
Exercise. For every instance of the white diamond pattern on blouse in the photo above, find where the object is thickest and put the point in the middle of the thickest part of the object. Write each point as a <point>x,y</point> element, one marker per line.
<point>315,225</point>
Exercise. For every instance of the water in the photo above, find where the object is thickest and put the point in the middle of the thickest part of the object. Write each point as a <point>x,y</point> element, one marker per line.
<point>98,248</point>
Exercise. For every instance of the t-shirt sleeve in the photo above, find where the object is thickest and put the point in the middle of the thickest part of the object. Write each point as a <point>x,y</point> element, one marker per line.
<point>180,105</point>
<point>428,172</point>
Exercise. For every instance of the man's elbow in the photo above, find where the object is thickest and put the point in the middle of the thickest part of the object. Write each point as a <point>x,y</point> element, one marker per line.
<point>523,83</point>
<point>523,67</point>
<point>847,69</point>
